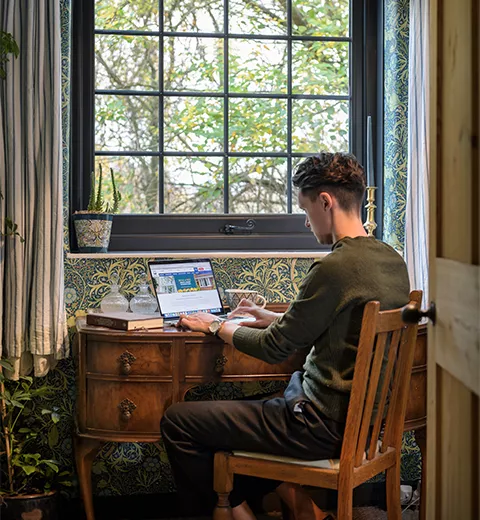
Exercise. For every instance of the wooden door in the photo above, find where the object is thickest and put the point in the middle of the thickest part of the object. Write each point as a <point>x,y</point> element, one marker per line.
<point>453,351</point>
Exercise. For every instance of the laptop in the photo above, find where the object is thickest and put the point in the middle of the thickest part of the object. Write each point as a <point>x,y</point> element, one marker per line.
<point>185,287</point>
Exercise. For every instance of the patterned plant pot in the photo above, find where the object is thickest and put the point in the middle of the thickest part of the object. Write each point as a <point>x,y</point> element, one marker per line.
<point>30,507</point>
<point>93,231</point>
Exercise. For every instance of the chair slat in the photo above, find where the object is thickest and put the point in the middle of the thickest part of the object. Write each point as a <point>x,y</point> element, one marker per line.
<point>359,385</point>
<point>396,412</point>
<point>372,386</point>
<point>392,357</point>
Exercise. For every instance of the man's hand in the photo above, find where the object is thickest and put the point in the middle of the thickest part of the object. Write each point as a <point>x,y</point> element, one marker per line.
<point>197,322</point>
<point>263,318</point>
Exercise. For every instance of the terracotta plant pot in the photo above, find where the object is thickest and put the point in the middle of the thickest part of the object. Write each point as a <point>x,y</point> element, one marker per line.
<point>93,231</point>
<point>30,507</point>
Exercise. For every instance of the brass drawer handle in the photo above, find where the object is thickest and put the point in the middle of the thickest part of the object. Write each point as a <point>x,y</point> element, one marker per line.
<point>126,408</point>
<point>126,361</point>
<point>220,363</point>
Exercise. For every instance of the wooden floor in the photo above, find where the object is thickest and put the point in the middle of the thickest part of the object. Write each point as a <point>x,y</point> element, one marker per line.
<point>359,513</point>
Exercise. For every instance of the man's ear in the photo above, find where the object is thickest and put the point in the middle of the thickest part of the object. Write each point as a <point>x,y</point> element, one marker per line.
<point>325,200</point>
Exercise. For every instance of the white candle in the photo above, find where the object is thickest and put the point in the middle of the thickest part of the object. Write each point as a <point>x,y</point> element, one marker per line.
<point>370,181</point>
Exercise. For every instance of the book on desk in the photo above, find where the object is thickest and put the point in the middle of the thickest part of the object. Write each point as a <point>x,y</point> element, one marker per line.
<point>125,320</point>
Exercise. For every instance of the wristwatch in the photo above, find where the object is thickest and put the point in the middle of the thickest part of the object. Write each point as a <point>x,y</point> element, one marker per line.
<point>215,326</point>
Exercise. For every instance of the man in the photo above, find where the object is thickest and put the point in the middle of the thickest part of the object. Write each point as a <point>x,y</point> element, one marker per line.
<point>308,421</point>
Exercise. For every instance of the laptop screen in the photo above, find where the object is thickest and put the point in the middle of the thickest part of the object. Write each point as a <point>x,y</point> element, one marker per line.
<point>185,287</point>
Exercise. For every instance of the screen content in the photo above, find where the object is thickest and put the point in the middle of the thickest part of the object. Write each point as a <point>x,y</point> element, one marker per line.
<point>185,288</point>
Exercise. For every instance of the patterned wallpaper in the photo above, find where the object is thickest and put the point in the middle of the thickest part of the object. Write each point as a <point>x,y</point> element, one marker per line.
<point>396,36</point>
<point>125,469</point>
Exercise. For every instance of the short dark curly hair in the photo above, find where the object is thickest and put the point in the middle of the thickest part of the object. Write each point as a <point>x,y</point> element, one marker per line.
<point>339,173</point>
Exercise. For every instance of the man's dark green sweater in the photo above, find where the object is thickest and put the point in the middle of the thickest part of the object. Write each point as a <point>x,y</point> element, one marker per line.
<point>327,314</point>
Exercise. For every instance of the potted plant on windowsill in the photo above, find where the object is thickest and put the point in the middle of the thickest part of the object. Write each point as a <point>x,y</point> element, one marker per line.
<point>29,484</point>
<point>94,225</point>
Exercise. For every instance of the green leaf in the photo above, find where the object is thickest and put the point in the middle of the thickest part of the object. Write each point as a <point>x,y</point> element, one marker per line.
<point>55,417</point>
<point>51,464</point>
<point>28,470</point>
<point>53,436</point>
<point>6,364</point>
<point>45,411</point>
<point>25,430</point>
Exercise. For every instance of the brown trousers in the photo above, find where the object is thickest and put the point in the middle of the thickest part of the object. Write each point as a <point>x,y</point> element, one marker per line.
<point>289,426</point>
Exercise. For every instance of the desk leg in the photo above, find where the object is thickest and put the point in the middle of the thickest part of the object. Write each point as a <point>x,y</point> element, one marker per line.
<point>85,452</point>
<point>421,439</point>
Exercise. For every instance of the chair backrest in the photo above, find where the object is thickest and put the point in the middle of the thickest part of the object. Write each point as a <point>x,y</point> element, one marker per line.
<point>381,380</point>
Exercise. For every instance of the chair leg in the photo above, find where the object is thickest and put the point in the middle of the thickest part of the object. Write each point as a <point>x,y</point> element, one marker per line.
<point>345,502</point>
<point>222,484</point>
<point>394,509</point>
<point>222,510</point>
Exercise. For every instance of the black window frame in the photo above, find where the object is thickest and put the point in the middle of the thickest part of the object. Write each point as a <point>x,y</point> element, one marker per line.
<point>184,233</point>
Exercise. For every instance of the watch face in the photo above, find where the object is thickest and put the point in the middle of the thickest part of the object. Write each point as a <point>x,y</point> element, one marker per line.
<point>214,326</point>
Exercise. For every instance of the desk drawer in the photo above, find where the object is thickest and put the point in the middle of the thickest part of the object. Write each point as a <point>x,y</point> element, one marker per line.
<point>129,359</point>
<point>211,360</point>
<point>126,407</point>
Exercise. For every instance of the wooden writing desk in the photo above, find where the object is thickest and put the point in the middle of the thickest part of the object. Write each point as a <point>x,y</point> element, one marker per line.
<point>126,380</point>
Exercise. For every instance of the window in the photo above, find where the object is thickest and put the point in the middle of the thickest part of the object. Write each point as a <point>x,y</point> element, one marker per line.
<point>204,107</point>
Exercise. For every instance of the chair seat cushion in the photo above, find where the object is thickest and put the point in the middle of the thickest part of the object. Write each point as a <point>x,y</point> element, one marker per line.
<point>321,464</point>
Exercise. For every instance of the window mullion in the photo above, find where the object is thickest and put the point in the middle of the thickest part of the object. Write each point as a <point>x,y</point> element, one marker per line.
<point>161,115</point>
<point>289,106</point>
<point>226,162</point>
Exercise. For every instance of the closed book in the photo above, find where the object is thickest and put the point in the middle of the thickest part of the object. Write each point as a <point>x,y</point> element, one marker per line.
<point>125,320</point>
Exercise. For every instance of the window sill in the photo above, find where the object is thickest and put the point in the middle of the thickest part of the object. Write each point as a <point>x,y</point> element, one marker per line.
<point>201,254</point>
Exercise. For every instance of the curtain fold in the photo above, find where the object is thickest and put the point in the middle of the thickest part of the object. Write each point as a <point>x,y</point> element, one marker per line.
<point>417,206</point>
<point>33,327</point>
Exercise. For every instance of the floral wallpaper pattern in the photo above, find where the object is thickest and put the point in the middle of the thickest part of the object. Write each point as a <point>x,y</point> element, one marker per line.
<point>396,35</point>
<point>138,468</point>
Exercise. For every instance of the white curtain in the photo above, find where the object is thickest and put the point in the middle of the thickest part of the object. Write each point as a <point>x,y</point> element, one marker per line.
<point>33,329</point>
<point>417,209</point>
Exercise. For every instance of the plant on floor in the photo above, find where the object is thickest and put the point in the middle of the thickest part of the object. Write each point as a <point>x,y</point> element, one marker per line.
<point>22,436</point>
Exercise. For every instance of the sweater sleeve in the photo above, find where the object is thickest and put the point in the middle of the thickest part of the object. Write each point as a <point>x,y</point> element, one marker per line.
<point>306,319</point>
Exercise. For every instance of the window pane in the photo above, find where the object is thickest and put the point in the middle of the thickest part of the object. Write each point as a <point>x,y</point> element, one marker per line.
<point>319,125</point>
<point>258,66</point>
<point>127,15</point>
<point>193,124</point>
<point>193,64</point>
<point>126,62</point>
<point>257,17</point>
<point>295,207</point>
<point>320,68</point>
<point>126,123</point>
<point>193,184</point>
<point>136,179</point>
<point>193,16</point>
<point>320,17</point>
<point>257,125</point>
<point>258,185</point>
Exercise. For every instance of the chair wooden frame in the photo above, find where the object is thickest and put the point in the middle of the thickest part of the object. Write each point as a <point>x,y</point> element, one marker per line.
<point>357,465</point>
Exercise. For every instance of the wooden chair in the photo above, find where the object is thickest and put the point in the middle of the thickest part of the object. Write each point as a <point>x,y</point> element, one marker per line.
<point>358,462</point>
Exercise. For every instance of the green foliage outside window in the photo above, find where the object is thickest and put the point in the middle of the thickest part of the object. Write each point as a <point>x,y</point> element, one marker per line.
<point>195,124</point>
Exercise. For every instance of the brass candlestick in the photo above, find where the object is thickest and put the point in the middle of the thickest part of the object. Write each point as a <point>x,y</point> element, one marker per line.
<point>370,225</point>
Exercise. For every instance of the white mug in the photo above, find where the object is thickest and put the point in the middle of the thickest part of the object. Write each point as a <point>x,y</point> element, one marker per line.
<point>235,296</point>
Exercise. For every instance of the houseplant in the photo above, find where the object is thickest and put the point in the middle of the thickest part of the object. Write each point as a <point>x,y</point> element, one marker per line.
<point>29,479</point>
<point>8,45</point>
<point>94,225</point>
